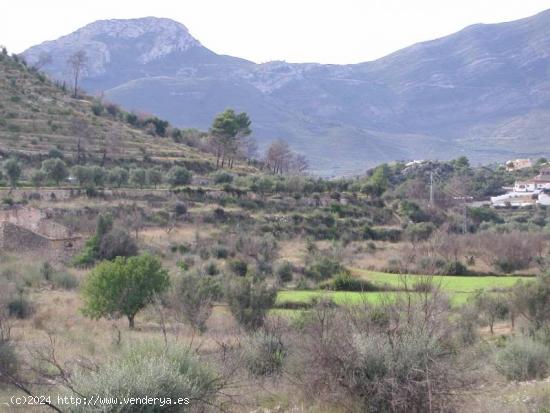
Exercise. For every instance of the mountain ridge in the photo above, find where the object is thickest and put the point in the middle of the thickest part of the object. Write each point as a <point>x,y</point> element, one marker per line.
<point>432,99</point>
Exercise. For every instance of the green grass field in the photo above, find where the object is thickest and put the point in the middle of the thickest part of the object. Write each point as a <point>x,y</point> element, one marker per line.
<point>350,298</point>
<point>459,288</point>
<point>465,284</point>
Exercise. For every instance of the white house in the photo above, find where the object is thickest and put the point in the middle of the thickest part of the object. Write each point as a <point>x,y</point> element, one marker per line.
<point>525,193</point>
<point>539,182</point>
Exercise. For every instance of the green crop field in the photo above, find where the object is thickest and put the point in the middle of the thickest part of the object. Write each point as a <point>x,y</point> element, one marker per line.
<point>346,297</point>
<point>448,283</point>
<point>459,288</point>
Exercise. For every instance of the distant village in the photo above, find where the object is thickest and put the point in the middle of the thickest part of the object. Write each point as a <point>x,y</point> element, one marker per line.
<point>525,193</point>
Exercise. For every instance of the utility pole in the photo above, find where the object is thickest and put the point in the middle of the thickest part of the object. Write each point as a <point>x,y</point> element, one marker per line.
<point>465,223</point>
<point>431,188</point>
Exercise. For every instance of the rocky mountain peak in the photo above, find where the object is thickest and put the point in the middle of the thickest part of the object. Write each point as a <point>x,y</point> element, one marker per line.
<point>142,41</point>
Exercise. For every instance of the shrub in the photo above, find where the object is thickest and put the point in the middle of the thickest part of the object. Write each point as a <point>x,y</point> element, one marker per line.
<point>324,267</point>
<point>97,108</point>
<point>523,359</point>
<point>345,282</point>
<point>238,267</point>
<point>20,307</point>
<point>150,370</point>
<point>222,177</point>
<point>64,280</point>
<point>419,232</point>
<point>220,252</point>
<point>194,297</point>
<point>212,269</point>
<point>8,359</point>
<point>37,178</point>
<point>180,209</point>
<point>391,358</point>
<point>456,268</point>
<point>117,243</point>
<point>533,301</point>
<point>284,272</point>
<point>55,153</point>
<point>249,301</point>
<point>264,353</point>
<point>47,271</point>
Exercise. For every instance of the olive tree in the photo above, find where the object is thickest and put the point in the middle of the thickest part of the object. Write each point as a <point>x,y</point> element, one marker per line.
<point>55,169</point>
<point>13,171</point>
<point>123,287</point>
<point>138,176</point>
<point>178,175</point>
<point>154,176</point>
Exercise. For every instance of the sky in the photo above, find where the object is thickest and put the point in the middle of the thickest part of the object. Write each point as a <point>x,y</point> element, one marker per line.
<point>324,31</point>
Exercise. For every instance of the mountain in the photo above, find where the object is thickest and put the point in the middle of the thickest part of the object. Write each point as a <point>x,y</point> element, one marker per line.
<point>483,92</point>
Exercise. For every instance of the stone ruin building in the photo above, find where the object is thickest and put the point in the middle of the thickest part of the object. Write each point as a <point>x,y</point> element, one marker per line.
<point>30,230</point>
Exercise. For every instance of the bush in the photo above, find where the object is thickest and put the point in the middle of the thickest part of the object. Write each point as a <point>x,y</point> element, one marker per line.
<point>390,359</point>
<point>220,252</point>
<point>20,307</point>
<point>345,282</point>
<point>97,108</point>
<point>47,271</point>
<point>222,177</point>
<point>150,370</point>
<point>117,243</point>
<point>284,272</point>
<point>180,209</point>
<point>194,297</point>
<point>324,267</point>
<point>212,269</point>
<point>523,359</point>
<point>55,153</point>
<point>264,353</point>
<point>238,267</point>
<point>64,280</point>
<point>8,358</point>
<point>37,178</point>
<point>456,268</point>
<point>249,301</point>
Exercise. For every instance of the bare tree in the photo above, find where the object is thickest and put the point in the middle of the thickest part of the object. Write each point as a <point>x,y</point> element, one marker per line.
<point>112,143</point>
<point>278,156</point>
<point>78,63</point>
<point>280,159</point>
<point>81,129</point>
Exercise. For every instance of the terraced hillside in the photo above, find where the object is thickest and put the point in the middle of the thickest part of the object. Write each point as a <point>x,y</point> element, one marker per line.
<point>37,115</point>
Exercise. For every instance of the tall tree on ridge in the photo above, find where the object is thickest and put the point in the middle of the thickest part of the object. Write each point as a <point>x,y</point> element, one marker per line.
<point>78,63</point>
<point>228,130</point>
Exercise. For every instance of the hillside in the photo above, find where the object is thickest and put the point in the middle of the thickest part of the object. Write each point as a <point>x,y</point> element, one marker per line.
<point>482,92</point>
<point>37,115</point>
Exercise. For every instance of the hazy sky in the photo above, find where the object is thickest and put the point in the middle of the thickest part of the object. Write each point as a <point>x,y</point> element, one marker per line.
<point>326,31</point>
